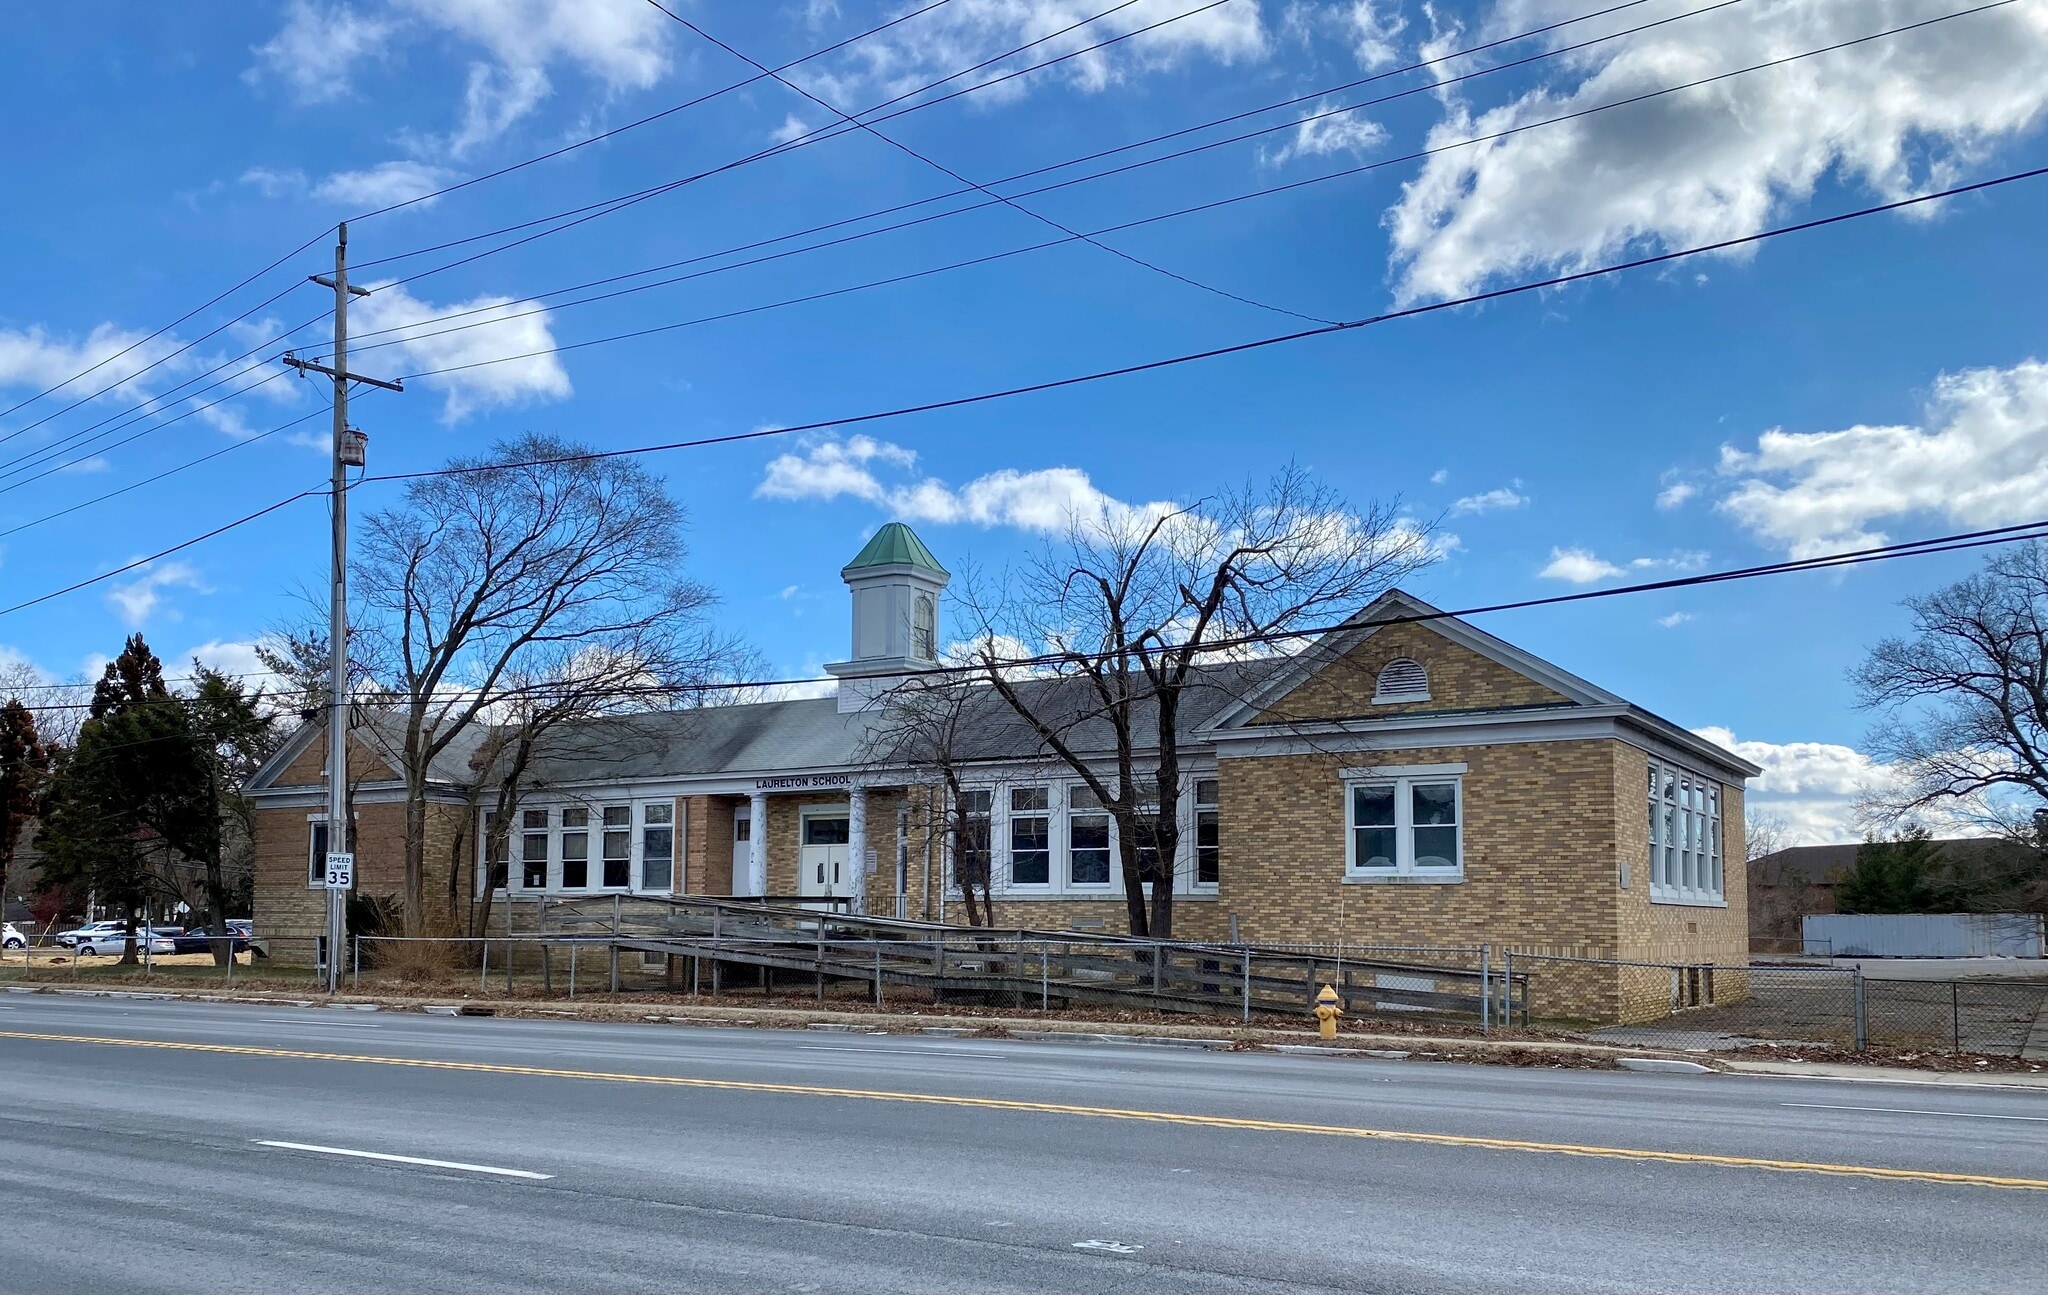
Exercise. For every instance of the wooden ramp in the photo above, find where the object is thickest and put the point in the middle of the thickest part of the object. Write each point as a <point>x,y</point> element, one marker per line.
<point>1012,967</point>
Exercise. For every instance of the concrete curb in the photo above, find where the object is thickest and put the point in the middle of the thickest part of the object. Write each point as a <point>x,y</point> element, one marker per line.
<point>1390,1047</point>
<point>1663,1066</point>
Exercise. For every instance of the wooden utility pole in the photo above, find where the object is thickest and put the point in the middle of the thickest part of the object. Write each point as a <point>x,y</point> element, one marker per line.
<point>350,448</point>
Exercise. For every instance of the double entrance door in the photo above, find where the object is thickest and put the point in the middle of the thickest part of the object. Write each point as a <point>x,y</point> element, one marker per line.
<point>823,857</point>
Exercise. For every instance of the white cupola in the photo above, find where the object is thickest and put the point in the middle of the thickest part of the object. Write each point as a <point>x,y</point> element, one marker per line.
<point>896,583</point>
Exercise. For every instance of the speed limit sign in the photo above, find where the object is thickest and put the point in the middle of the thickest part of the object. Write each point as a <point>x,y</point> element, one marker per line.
<point>341,872</point>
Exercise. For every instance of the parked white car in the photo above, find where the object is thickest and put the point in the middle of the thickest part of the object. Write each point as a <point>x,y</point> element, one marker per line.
<point>10,938</point>
<point>110,943</point>
<point>88,931</point>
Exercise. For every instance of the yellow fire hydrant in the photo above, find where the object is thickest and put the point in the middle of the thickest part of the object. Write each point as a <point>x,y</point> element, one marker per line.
<point>1327,1012</point>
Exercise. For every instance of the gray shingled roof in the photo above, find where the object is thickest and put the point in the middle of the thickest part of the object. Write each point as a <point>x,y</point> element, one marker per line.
<point>767,737</point>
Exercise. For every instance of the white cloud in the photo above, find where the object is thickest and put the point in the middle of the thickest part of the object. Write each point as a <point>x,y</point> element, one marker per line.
<point>1721,161</point>
<point>622,43</point>
<point>1045,499</point>
<point>35,357</point>
<point>96,464</point>
<point>1491,501</point>
<point>1578,566</point>
<point>1322,131</point>
<point>275,182</point>
<point>383,184</point>
<point>1581,566</point>
<point>792,127</point>
<point>1980,458</point>
<point>515,382</point>
<point>137,601</point>
<point>317,49</point>
<point>1674,620</point>
<point>1813,786</point>
<point>1439,476</point>
<point>1372,33</point>
<point>1675,494</point>
<point>966,32</point>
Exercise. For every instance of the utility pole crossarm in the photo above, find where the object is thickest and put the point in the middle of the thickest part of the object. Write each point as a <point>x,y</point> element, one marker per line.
<point>326,282</point>
<point>314,366</point>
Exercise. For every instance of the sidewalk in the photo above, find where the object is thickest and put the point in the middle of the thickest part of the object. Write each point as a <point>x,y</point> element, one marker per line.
<point>1211,1036</point>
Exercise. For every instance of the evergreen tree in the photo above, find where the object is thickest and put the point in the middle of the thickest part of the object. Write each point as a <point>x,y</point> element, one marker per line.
<point>24,767</point>
<point>1905,874</point>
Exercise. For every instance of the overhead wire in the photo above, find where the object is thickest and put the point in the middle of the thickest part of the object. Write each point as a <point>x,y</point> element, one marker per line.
<point>1237,348</point>
<point>1099,375</point>
<point>1963,541</point>
<point>958,177</point>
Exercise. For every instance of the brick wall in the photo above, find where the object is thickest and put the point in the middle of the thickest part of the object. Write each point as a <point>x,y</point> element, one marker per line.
<point>1459,679</point>
<point>292,914</point>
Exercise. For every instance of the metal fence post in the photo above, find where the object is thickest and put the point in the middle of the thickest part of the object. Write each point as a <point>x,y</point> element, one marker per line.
<point>1862,1016</point>
<point>821,960</point>
<point>484,976</point>
<point>878,973</point>
<point>1247,986</point>
<point>1044,976</point>
<point>1507,984</point>
<point>616,902</point>
<point>1485,989</point>
<point>1158,959</point>
<point>356,954</point>
<point>574,947</point>
<point>1955,1013</point>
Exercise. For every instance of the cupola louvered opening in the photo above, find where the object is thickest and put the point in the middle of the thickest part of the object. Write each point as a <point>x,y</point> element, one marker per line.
<point>1402,679</point>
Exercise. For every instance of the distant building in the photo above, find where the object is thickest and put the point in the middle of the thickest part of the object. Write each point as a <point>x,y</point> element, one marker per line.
<point>1414,782</point>
<point>1787,885</point>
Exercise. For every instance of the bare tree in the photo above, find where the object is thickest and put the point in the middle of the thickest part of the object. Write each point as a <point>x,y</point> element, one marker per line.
<point>550,698</point>
<point>931,726</point>
<point>484,576</point>
<point>1131,604</point>
<point>1963,701</point>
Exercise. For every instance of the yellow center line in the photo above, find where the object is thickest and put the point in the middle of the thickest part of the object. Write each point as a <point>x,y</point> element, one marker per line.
<point>1062,1108</point>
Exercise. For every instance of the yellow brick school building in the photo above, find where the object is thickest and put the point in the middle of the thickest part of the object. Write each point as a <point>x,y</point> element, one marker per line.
<point>1408,779</point>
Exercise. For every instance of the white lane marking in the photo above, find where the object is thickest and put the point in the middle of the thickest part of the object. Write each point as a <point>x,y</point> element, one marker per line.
<point>405,1160</point>
<point>1111,1247</point>
<point>896,1052</point>
<point>1900,1110</point>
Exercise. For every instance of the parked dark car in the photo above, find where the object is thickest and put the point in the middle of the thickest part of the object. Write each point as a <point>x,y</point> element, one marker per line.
<point>198,940</point>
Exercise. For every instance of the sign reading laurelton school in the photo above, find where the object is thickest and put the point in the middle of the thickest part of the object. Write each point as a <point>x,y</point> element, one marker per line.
<point>803,781</point>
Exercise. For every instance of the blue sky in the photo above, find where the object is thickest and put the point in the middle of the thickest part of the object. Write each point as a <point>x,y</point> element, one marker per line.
<point>1881,380</point>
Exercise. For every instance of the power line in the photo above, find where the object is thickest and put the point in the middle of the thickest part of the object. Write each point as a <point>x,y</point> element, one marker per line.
<point>652,117</point>
<point>1124,370</point>
<point>606,207</point>
<point>1236,348</point>
<point>179,547</point>
<point>410,333</point>
<point>161,331</point>
<point>617,204</point>
<point>988,258</point>
<point>1959,542</point>
<point>1011,203</point>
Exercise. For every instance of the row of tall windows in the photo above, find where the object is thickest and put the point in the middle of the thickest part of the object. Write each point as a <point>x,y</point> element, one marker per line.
<point>1059,836</point>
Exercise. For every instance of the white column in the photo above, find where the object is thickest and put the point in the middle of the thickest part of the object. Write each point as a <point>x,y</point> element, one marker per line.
<point>757,845</point>
<point>857,842</point>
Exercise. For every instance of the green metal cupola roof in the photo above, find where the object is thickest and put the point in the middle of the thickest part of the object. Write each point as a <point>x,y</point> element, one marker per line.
<point>896,545</point>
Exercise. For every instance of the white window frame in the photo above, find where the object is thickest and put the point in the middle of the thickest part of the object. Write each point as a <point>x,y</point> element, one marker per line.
<point>1405,868</point>
<point>1053,852</point>
<point>593,830</point>
<point>316,861</point>
<point>1195,807</point>
<point>641,826</point>
<point>1689,870</point>
<point>1064,869</point>
<point>546,830</point>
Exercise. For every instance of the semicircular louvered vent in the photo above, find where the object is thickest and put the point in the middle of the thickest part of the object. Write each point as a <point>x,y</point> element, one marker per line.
<point>1402,679</point>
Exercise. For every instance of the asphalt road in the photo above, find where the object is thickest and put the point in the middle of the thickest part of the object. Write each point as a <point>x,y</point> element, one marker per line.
<point>138,1153</point>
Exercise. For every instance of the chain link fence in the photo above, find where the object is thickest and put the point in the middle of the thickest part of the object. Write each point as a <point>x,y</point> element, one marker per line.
<point>1711,1007</point>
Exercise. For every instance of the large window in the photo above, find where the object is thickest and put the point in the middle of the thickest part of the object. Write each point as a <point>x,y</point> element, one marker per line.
<point>575,849</point>
<point>1208,838</point>
<point>1405,827</point>
<point>1030,836</point>
<point>1087,838</point>
<point>657,845</point>
<point>533,849</point>
<point>618,847</point>
<point>1685,837</point>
